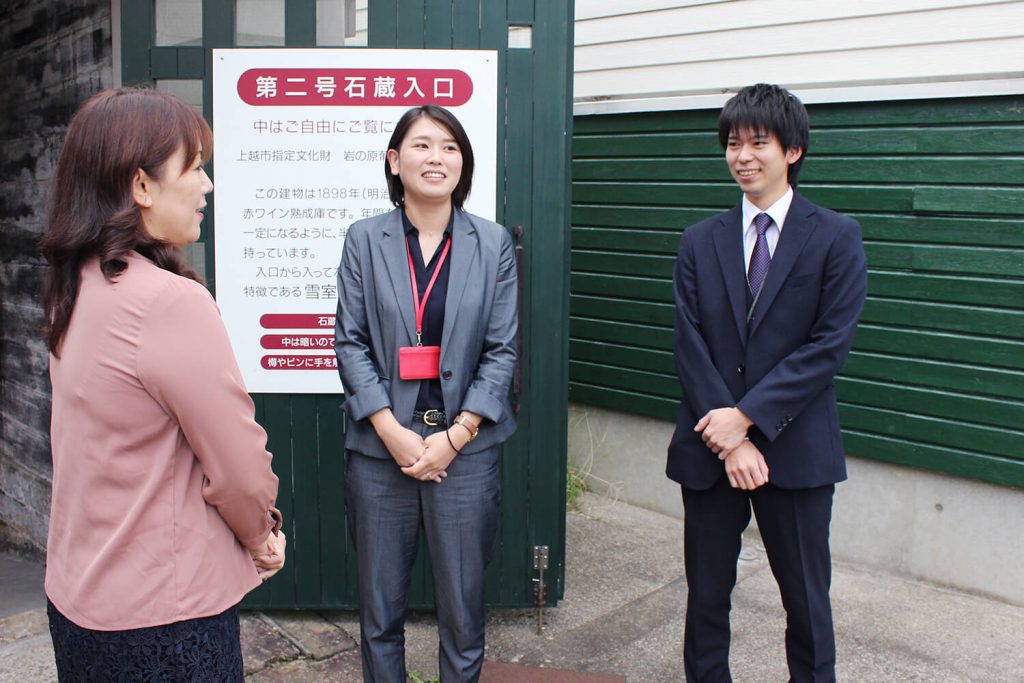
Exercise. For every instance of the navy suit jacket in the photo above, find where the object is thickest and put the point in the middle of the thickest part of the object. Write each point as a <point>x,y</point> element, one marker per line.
<point>376,317</point>
<point>779,368</point>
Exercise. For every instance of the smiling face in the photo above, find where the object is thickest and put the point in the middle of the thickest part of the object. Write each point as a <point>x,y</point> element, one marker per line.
<point>172,207</point>
<point>428,161</point>
<point>759,165</point>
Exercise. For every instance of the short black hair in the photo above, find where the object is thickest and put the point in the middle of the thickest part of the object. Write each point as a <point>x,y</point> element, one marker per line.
<point>766,108</point>
<point>446,120</point>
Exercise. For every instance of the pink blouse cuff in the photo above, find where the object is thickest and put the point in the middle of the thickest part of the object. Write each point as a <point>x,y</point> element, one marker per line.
<point>276,519</point>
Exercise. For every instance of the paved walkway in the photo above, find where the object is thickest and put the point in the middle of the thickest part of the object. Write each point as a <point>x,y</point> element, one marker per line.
<point>621,617</point>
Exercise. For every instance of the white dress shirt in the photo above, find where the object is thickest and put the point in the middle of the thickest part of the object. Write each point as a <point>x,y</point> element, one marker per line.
<point>777,211</point>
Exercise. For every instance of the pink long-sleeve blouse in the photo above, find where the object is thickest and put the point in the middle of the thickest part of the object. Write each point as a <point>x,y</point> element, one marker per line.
<point>161,477</point>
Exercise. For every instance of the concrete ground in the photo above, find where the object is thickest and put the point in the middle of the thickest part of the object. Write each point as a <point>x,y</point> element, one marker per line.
<point>622,615</point>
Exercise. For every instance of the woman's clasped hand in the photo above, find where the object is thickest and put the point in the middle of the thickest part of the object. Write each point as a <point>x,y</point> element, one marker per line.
<point>269,556</point>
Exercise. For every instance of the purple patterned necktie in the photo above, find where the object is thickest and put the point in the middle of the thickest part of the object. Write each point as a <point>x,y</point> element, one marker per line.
<point>760,259</point>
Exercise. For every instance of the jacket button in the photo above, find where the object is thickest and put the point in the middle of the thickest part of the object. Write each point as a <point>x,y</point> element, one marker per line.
<point>741,369</point>
<point>447,374</point>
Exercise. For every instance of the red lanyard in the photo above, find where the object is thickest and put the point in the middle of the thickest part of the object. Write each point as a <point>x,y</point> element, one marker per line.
<point>421,305</point>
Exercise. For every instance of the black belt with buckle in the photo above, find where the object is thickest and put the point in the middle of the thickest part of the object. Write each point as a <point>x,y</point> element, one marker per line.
<point>431,417</point>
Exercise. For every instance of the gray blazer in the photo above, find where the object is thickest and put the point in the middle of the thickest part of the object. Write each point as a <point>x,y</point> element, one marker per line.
<point>376,317</point>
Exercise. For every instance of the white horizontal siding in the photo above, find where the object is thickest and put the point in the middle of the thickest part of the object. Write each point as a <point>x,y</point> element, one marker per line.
<point>591,9</point>
<point>642,52</point>
<point>913,63</point>
<point>687,18</point>
<point>837,35</point>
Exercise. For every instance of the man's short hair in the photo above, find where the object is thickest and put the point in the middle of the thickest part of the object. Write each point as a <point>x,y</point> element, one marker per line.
<point>765,108</point>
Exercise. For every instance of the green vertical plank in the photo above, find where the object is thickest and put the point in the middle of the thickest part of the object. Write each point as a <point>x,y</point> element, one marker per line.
<point>520,12</point>
<point>300,23</point>
<point>337,571</point>
<point>493,31</point>
<point>508,577</point>
<point>277,421</point>
<point>138,36</point>
<point>382,23</point>
<point>218,32</point>
<point>261,595</point>
<point>518,496</point>
<point>410,23</point>
<point>507,558</point>
<point>305,542</point>
<point>506,571</point>
<point>437,31</point>
<point>390,23</point>
<point>466,24</point>
<point>552,44</point>
<point>494,36</point>
<point>273,412</point>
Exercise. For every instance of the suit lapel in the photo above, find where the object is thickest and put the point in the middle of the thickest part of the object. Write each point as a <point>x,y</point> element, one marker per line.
<point>728,237</point>
<point>395,253</point>
<point>464,250</point>
<point>800,223</point>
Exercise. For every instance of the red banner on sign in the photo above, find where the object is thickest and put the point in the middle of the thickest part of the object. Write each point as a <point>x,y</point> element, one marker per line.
<point>354,87</point>
<point>297,341</point>
<point>296,321</point>
<point>283,362</point>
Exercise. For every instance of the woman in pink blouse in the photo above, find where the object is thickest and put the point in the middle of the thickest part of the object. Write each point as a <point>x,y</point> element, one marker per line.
<point>163,512</point>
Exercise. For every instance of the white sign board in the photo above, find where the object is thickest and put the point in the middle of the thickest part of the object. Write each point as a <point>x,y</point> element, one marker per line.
<point>300,138</point>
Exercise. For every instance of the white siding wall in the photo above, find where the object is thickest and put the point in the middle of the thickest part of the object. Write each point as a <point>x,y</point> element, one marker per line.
<point>636,55</point>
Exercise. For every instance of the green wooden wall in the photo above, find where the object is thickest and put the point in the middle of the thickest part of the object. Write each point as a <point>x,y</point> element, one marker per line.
<point>936,376</point>
<point>306,432</point>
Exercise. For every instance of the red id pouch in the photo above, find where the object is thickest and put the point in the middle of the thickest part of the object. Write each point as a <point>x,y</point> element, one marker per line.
<point>419,362</point>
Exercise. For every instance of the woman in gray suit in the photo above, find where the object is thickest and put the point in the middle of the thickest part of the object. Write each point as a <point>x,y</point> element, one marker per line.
<point>425,339</point>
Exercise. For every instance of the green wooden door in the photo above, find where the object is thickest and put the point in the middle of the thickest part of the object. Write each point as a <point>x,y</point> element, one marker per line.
<point>306,432</point>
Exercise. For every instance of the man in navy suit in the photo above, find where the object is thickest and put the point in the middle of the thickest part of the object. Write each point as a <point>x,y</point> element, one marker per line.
<point>767,296</point>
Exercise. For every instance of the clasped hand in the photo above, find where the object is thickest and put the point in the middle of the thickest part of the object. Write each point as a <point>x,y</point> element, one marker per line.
<point>437,455</point>
<point>424,459</point>
<point>269,556</point>
<point>745,466</point>
<point>724,431</point>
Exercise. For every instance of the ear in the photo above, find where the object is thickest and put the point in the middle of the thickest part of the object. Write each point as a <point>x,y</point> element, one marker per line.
<point>793,154</point>
<point>141,184</point>
<point>393,161</point>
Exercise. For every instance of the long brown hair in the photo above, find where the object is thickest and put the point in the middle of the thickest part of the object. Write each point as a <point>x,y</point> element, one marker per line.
<point>92,212</point>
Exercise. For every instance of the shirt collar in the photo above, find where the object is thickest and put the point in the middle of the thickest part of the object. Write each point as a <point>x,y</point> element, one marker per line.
<point>777,211</point>
<point>409,227</point>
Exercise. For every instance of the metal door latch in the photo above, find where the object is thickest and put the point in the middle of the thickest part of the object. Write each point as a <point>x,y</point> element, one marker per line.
<point>540,586</point>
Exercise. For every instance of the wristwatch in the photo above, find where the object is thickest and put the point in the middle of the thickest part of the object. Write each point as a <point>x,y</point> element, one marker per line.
<point>464,422</point>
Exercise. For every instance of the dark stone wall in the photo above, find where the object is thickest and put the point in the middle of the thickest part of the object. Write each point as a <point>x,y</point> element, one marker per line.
<point>54,54</point>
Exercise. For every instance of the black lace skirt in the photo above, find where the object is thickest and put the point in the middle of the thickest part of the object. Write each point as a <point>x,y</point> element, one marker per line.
<point>200,650</point>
